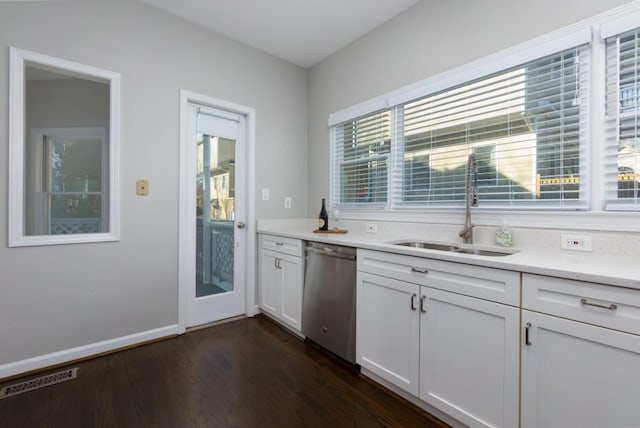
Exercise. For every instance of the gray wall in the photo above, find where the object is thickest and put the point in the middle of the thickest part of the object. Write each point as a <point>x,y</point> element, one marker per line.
<point>429,38</point>
<point>49,104</point>
<point>57,297</point>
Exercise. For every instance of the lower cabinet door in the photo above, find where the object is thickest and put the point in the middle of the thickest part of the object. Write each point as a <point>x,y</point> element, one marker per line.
<point>469,358</point>
<point>270,282</point>
<point>292,279</point>
<point>387,326</point>
<point>578,375</point>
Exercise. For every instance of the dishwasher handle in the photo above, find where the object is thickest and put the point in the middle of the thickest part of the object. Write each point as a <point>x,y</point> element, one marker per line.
<point>330,253</point>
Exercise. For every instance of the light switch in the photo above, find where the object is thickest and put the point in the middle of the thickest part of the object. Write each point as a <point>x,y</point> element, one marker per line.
<point>265,194</point>
<point>142,187</point>
<point>287,202</point>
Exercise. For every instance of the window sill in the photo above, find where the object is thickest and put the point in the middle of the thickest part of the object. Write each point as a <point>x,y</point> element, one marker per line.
<point>80,238</point>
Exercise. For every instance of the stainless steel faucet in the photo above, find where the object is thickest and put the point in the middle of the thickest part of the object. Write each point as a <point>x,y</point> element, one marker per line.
<point>471,198</point>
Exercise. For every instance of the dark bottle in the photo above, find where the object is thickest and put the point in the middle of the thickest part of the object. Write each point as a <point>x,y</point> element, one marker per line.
<point>323,218</point>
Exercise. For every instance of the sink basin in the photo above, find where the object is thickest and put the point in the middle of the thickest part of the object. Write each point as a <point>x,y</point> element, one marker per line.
<point>426,245</point>
<point>453,248</point>
<point>479,252</point>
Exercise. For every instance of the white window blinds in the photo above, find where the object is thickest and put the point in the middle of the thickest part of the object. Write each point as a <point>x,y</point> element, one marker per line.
<point>361,161</point>
<point>622,142</point>
<point>527,126</point>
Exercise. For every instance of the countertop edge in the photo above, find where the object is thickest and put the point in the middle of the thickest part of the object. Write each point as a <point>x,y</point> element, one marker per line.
<point>519,262</point>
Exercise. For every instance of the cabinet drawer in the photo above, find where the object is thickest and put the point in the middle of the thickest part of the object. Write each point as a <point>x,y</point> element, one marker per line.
<point>603,305</point>
<point>282,245</point>
<point>485,283</point>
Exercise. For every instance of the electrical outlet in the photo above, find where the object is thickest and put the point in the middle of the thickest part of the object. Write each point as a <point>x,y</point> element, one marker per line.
<point>142,187</point>
<point>287,202</point>
<point>577,242</point>
<point>372,228</point>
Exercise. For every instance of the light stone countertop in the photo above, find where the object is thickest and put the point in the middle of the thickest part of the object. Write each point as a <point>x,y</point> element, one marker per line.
<point>540,255</point>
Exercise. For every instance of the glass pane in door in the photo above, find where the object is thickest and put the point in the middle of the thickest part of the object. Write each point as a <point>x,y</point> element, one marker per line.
<point>215,210</point>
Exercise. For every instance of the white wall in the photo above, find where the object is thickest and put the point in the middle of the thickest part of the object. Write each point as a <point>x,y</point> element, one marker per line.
<point>429,38</point>
<point>58,297</point>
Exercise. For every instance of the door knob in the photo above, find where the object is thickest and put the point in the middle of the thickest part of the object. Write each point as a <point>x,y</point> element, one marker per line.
<point>240,225</point>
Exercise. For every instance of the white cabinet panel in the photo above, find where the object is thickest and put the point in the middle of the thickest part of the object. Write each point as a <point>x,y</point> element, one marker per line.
<point>469,358</point>
<point>387,329</point>
<point>280,281</point>
<point>270,283</point>
<point>486,283</point>
<point>578,375</point>
<point>292,280</point>
<point>283,245</point>
<point>607,306</point>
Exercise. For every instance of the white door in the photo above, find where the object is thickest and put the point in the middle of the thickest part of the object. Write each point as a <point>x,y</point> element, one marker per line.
<point>292,279</point>
<point>469,358</point>
<point>578,375</point>
<point>270,282</point>
<point>215,215</point>
<point>387,327</point>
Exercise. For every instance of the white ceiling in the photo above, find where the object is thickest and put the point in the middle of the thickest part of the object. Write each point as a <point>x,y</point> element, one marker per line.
<point>303,32</point>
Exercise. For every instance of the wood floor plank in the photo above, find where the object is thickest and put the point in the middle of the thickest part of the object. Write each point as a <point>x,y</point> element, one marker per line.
<point>246,373</point>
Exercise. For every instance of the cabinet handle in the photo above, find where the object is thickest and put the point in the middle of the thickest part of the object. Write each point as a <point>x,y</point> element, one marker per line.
<point>419,270</point>
<point>610,306</point>
<point>413,302</point>
<point>526,334</point>
<point>422,309</point>
<point>276,263</point>
<point>279,244</point>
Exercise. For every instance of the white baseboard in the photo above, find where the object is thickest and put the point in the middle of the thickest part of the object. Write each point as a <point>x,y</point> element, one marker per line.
<point>72,354</point>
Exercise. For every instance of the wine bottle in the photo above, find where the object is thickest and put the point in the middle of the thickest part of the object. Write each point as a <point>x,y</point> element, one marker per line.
<point>323,218</point>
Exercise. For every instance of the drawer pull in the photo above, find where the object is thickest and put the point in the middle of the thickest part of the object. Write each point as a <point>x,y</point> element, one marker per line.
<point>611,306</point>
<point>279,244</point>
<point>527,341</point>
<point>422,309</point>
<point>413,302</point>
<point>419,270</point>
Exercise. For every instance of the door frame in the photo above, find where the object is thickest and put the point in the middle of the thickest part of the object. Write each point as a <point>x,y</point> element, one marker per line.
<point>184,263</point>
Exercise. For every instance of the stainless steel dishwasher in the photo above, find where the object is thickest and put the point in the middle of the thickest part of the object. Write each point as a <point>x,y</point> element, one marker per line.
<point>329,298</point>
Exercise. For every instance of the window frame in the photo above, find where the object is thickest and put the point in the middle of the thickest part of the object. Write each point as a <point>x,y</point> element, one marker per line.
<point>18,141</point>
<point>396,202</point>
<point>38,168</point>
<point>614,114</point>
<point>338,162</point>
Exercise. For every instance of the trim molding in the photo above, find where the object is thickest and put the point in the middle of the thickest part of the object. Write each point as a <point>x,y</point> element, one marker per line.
<point>81,352</point>
<point>17,60</point>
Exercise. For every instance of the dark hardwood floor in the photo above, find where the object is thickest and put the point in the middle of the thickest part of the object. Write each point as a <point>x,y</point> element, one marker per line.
<point>247,373</point>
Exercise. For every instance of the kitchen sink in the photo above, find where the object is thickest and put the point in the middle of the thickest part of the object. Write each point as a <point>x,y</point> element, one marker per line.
<point>426,245</point>
<point>464,249</point>
<point>479,252</point>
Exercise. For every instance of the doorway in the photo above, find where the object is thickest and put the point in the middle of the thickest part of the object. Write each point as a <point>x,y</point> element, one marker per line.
<point>216,230</point>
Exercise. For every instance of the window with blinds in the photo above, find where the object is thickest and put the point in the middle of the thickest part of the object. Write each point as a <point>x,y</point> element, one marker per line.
<point>361,160</point>
<point>527,126</point>
<point>622,150</point>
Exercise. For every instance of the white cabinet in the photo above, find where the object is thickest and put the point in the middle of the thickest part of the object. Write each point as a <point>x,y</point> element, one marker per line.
<point>281,277</point>
<point>577,373</point>
<point>387,325</point>
<point>456,352</point>
<point>469,358</point>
